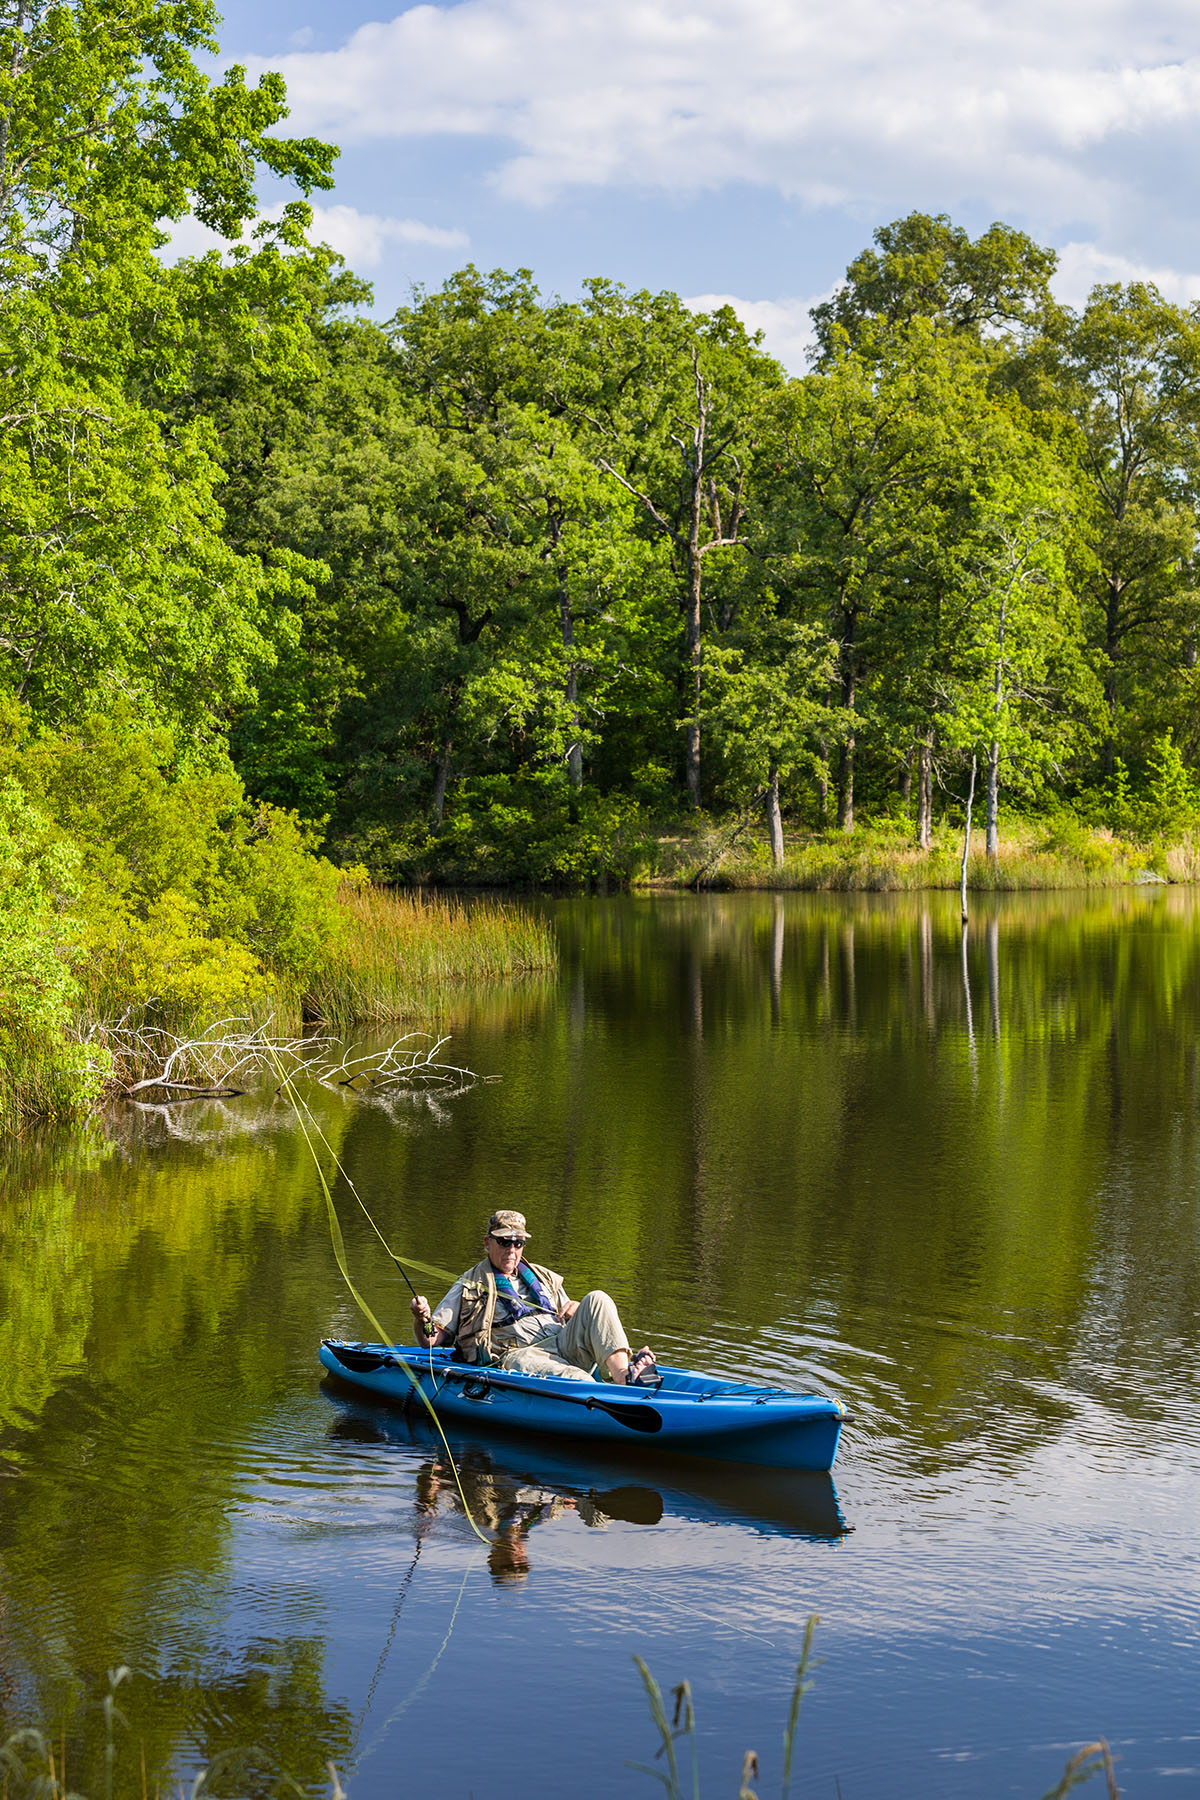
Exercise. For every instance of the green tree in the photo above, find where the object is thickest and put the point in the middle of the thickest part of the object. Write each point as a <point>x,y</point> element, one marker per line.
<point>860,453</point>
<point>671,406</point>
<point>767,708</point>
<point>116,572</point>
<point>489,366</point>
<point>931,527</point>
<point>1006,678</point>
<point>1126,371</point>
<point>925,267</point>
<point>42,1068</point>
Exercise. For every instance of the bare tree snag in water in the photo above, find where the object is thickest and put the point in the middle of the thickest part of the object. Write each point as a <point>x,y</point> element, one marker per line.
<point>967,839</point>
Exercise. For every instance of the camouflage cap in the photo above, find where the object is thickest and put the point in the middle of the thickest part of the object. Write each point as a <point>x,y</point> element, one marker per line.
<point>507,1224</point>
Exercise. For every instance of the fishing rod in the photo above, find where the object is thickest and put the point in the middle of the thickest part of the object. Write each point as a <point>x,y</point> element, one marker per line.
<point>297,1102</point>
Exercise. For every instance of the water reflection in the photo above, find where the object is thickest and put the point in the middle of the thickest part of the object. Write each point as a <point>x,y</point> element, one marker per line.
<point>820,1141</point>
<point>519,1481</point>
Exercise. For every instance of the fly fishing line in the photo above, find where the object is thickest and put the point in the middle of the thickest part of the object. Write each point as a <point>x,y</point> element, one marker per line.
<point>297,1103</point>
<point>425,1679</point>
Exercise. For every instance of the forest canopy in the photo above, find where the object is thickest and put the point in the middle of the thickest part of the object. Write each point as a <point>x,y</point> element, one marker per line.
<point>497,587</point>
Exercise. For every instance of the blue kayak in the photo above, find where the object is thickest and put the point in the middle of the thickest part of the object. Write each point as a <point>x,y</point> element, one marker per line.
<point>688,1413</point>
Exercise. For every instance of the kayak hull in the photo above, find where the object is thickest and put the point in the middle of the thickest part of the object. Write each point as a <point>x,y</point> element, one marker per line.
<point>690,1414</point>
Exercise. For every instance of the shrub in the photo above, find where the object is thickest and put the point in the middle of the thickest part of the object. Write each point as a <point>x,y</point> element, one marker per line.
<point>42,1070</point>
<point>189,901</point>
<point>1171,803</point>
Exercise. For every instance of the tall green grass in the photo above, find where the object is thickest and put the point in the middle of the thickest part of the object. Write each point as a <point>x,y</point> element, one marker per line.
<point>44,1081</point>
<point>882,858</point>
<point>406,956</point>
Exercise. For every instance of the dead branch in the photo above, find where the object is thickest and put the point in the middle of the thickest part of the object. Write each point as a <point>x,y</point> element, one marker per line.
<point>726,844</point>
<point>139,1060</point>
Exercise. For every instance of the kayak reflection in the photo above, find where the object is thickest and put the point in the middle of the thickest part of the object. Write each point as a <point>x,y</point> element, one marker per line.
<point>513,1488</point>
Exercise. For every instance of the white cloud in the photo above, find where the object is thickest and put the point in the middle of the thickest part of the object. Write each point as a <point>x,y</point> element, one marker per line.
<point>785,324</point>
<point>1015,104</point>
<point>190,238</point>
<point>361,238</point>
<point>1082,266</point>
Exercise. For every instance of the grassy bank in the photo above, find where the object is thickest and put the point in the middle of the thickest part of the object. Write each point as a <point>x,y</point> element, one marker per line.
<point>386,958</point>
<point>884,859</point>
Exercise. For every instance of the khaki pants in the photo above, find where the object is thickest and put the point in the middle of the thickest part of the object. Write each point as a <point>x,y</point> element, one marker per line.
<point>589,1336</point>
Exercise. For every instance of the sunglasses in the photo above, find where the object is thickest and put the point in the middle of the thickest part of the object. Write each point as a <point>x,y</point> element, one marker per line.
<point>511,1243</point>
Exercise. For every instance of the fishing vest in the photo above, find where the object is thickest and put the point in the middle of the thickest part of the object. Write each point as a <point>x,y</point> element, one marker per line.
<point>473,1338</point>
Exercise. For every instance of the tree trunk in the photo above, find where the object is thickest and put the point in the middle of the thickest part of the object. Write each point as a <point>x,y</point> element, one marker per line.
<point>967,840</point>
<point>574,748</point>
<point>925,792</point>
<point>846,786</point>
<point>695,574</point>
<point>849,685</point>
<point>904,785</point>
<point>774,819</point>
<point>992,832</point>
<point>993,802</point>
<point>441,777</point>
<point>1112,642</point>
<point>692,751</point>
<point>823,783</point>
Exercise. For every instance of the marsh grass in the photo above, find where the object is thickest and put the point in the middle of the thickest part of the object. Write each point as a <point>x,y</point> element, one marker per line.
<point>397,957</point>
<point>407,955</point>
<point>882,858</point>
<point>680,1727</point>
<point>46,1082</point>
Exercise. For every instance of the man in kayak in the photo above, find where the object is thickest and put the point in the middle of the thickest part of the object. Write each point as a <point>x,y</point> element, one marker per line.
<point>517,1314</point>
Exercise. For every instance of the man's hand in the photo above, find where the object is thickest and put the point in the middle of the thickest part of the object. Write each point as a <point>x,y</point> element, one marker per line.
<point>567,1311</point>
<point>419,1308</point>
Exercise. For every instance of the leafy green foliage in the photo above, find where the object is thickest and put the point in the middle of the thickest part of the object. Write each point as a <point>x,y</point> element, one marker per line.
<point>41,1069</point>
<point>928,268</point>
<point>528,829</point>
<point>188,900</point>
<point>485,592</point>
<point>117,575</point>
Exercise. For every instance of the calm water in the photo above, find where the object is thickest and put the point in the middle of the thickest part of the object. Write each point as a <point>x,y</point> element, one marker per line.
<point>798,1138</point>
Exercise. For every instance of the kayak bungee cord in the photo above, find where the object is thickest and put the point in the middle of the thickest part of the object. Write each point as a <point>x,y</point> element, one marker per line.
<point>297,1102</point>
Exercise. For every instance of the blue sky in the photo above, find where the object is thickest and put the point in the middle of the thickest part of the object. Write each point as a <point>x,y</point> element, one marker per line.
<point>739,149</point>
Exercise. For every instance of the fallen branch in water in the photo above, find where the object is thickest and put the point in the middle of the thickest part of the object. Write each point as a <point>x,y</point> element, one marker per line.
<point>145,1062</point>
<point>383,1071</point>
